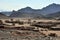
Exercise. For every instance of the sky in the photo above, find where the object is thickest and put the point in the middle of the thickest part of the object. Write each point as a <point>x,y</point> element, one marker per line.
<point>9,5</point>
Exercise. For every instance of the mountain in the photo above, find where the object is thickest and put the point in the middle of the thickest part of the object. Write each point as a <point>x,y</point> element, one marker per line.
<point>27,9</point>
<point>52,8</point>
<point>3,16</point>
<point>54,15</point>
<point>7,13</point>
<point>27,12</point>
<point>48,11</point>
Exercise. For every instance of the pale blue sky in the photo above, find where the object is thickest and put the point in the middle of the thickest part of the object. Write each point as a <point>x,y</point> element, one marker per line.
<point>18,4</point>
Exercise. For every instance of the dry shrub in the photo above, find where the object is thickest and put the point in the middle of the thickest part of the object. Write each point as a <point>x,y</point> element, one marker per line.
<point>52,34</point>
<point>1,22</point>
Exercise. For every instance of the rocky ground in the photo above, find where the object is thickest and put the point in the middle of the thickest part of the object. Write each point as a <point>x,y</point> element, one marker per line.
<point>17,34</point>
<point>6,34</point>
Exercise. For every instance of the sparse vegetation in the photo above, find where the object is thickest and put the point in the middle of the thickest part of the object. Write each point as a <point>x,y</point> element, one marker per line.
<point>26,29</point>
<point>1,22</point>
<point>52,34</point>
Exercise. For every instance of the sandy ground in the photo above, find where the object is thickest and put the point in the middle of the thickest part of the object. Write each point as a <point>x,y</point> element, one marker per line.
<point>28,25</point>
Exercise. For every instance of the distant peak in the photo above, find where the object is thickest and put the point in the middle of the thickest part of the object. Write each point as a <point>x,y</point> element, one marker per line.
<point>55,4</point>
<point>28,8</point>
